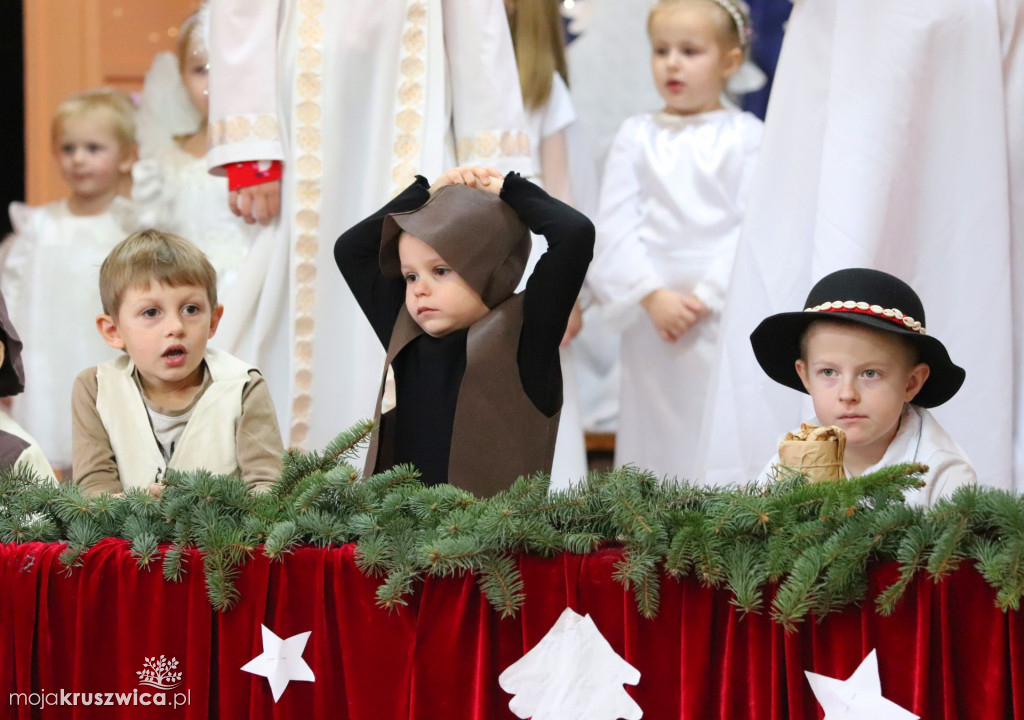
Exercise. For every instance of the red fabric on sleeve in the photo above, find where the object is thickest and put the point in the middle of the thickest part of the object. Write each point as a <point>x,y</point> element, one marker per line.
<point>252,172</point>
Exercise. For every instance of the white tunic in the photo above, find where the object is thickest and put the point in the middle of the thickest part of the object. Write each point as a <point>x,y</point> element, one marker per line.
<point>920,439</point>
<point>50,281</point>
<point>570,461</point>
<point>355,97</point>
<point>31,455</point>
<point>671,204</point>
<point>894,140</point>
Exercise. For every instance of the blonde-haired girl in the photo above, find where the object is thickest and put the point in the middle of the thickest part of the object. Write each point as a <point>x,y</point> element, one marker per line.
<point>674,189</point>
<point>50,276</point>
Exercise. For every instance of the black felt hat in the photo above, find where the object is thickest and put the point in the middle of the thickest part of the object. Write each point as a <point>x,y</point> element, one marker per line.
<point>866,297</point>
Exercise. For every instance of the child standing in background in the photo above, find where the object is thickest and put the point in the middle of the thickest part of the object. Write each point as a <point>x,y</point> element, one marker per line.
<point>173,190</point>
<point>671,204</point>
<point>49,276</point>
<point>540,58</point>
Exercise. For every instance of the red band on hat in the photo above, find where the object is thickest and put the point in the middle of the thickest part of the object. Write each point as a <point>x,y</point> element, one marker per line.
<point>891,314</point>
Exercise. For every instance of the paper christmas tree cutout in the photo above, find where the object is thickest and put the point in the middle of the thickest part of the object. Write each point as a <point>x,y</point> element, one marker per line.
<point>859,697</point>
<point>281,661</point>
<point>571,674</point>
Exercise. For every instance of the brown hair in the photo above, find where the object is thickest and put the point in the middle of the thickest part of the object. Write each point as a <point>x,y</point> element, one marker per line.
<point>112,104</point>
<point>151,255</point>
<point>540,48</point>
<point>732,31</point>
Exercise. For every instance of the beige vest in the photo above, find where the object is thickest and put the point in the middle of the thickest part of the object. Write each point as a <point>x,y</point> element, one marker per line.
<point>498,434</point>
<point>208,440</point>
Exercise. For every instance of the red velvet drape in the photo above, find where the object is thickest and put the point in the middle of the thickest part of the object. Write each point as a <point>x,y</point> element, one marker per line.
<point>947,652</point>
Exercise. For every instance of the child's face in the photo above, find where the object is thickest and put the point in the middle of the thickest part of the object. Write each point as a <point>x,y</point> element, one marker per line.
<point>195,67</point>
<point>164,329</point>
<point>689,62</point>
<point>92,159</point>
<point>437,297</point>
<point>859,380</point>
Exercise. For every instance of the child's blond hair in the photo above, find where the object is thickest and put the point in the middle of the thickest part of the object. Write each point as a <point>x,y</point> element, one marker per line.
<point>734,17</point>
<point>108,103</point>
<point>153,256</point>
<point>189,35</point>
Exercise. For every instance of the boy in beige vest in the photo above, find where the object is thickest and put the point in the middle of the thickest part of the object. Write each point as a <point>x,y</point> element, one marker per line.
<point>168,401</point>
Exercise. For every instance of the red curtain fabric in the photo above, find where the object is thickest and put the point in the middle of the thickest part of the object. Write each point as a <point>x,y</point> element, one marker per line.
<point>946,653</point>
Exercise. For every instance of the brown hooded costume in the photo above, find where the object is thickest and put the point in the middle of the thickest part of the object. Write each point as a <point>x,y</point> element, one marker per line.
<point>15,444</point>
<point>476,407</point>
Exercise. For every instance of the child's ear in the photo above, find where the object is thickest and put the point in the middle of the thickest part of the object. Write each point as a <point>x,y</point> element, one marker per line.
<point>215,316</point>
<point>918,375</point>
<point>732,61</point>
<point>801,370</point>
<point>108,329</point>
<point>128,157</point>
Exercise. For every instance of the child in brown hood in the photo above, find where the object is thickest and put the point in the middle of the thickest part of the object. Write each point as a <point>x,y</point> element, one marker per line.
<point>478,384</point>
<point>16,445</point>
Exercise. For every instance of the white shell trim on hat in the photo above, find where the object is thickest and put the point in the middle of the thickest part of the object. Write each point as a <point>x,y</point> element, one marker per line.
<point>866,309</point>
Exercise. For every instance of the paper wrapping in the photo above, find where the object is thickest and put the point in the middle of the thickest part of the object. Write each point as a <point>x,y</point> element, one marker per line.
<point>815,451</point>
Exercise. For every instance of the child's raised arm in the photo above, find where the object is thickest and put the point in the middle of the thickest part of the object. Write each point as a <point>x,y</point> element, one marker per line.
<point>357,254</point>
<point>553,286</point>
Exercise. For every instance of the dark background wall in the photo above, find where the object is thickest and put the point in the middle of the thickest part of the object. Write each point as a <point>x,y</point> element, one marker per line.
<point>12,119</point>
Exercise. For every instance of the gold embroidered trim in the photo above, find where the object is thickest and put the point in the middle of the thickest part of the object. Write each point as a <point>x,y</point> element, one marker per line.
<point>407,140</point>
<point>306,223</point>
<point>240,128</point>
<point>492,144</point>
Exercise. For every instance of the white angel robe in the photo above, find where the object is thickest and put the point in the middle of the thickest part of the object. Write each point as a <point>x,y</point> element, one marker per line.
<point>893,141</point>
<point>356,98</point>
<point>570,461</point>
<point>50,281</point>
<point>671,204</point>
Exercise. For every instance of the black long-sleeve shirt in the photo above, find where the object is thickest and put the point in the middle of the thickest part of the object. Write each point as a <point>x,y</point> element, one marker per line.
<point>429,370</point>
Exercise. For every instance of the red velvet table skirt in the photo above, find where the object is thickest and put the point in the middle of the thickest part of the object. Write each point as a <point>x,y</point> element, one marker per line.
<point>947,651</point>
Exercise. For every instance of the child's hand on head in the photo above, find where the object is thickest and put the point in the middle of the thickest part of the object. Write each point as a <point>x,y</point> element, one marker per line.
<point>484,178</point>
<point>672,313</point>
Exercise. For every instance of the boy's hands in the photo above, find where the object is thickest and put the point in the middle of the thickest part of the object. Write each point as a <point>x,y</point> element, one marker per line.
<point>672,313</point>
<point>484,178</point>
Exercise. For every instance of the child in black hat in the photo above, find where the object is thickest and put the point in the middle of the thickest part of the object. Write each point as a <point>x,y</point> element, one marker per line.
<point>478,384</point>
<point>16,445</point>
<point>861,350</point>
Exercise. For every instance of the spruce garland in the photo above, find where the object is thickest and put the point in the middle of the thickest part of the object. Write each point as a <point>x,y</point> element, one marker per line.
<point>813,542</point>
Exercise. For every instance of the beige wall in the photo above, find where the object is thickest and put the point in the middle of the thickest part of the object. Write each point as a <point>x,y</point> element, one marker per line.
<point>72,45</point>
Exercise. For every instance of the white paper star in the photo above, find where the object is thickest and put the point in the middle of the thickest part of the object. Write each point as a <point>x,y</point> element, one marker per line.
<point>859,697</point>
<point>281,661</point>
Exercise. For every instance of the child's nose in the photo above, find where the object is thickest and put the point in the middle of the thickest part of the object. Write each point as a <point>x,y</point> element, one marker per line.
<point>175,325</point>
<point>848,391</point>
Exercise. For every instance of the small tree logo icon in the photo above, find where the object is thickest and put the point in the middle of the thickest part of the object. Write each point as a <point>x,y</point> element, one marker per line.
<point>159,673</point>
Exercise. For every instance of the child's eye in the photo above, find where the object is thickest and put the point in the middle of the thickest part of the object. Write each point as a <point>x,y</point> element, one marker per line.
<point>442,271</point>
<point>94,147</point>
<point>410,278</point>
<point>191,310</point>
<point>691,51</point>
<point>150,312</point>
<point>661,51</point>
<point>67,148</point>
<point>828,372</point>
<point>871,374</point>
